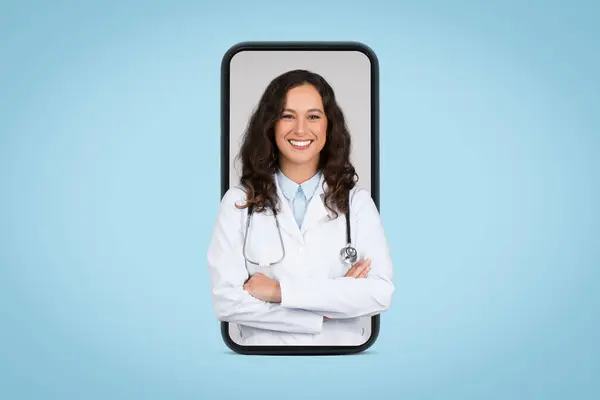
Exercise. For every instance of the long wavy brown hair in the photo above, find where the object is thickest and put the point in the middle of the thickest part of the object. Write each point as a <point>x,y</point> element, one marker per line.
<point>259,154</point>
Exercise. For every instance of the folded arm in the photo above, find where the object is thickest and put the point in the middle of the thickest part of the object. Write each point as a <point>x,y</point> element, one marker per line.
<point>228,273</point>
<point>347,297</point>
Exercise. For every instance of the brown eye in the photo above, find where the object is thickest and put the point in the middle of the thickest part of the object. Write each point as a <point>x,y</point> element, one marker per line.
<point>286,116</point>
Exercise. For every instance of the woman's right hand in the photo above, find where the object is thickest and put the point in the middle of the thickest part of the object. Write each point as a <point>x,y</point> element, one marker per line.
<point>359,269</point>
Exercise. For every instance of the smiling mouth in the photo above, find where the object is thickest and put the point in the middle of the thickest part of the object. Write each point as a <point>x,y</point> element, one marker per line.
<point>300,144</point>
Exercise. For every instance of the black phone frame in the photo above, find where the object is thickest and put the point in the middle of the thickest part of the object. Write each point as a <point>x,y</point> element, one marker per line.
<point>225,149</point>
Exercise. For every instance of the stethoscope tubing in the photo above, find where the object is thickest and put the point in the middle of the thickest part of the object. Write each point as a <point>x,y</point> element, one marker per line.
<point>348,253</point>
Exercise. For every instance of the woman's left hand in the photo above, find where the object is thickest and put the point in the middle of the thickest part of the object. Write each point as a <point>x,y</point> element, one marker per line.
<point>263,288</point>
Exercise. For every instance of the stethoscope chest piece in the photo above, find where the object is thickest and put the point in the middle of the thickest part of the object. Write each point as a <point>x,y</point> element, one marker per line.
<point>348,254</point>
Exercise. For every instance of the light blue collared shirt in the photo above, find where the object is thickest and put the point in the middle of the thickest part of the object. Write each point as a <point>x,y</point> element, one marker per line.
<point>298,195</point>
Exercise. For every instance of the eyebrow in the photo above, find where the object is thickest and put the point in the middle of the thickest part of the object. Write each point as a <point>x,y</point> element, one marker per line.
<point>311,110</point>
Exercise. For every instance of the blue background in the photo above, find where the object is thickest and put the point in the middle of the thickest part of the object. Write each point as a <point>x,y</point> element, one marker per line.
<point>109,182</point>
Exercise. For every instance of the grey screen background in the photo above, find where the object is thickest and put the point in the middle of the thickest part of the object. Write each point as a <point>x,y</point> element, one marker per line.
<point>348,73</point>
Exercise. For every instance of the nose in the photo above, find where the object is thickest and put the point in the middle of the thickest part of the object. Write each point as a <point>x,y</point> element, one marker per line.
<point>300,126</point>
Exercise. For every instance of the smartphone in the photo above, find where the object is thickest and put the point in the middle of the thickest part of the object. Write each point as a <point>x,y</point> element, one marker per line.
<point>352,70</point>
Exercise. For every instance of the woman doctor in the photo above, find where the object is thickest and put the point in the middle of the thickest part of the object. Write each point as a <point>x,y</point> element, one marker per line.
<point>281,278</point>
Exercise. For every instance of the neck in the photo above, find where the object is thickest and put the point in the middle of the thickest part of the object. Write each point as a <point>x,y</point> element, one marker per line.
<point>299,173</point>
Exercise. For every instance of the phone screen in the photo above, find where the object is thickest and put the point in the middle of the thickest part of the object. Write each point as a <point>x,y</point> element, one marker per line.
<point>351,69</point>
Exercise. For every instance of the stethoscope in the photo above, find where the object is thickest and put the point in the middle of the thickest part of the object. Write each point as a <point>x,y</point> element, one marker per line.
<point>348,253</point>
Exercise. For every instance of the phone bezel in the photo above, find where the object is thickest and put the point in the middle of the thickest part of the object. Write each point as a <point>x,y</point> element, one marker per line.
<point>225,159</point>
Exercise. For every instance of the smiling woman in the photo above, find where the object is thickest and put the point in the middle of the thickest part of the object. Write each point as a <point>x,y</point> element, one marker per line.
<point>303,125</point>
<point>276,267</point>
<point>298,129</point>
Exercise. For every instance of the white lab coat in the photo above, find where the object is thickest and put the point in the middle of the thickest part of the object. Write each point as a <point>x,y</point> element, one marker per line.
<point>311,274</point>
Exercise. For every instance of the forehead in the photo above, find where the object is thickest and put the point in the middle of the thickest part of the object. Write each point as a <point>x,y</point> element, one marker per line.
<point>305,96</point>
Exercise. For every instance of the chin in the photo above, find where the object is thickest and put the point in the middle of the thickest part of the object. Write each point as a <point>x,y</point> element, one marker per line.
<point>300,159</point>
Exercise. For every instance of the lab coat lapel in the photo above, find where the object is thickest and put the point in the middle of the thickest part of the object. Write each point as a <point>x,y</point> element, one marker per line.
<point>316,213</point>
<point>285,215</point>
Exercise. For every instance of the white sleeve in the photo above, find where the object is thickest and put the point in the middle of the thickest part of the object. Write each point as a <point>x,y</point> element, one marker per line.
<point>349,297</point>
<point>228,273</point>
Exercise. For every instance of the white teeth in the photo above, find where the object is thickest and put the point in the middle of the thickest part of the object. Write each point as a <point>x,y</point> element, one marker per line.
<point>300,143</point>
